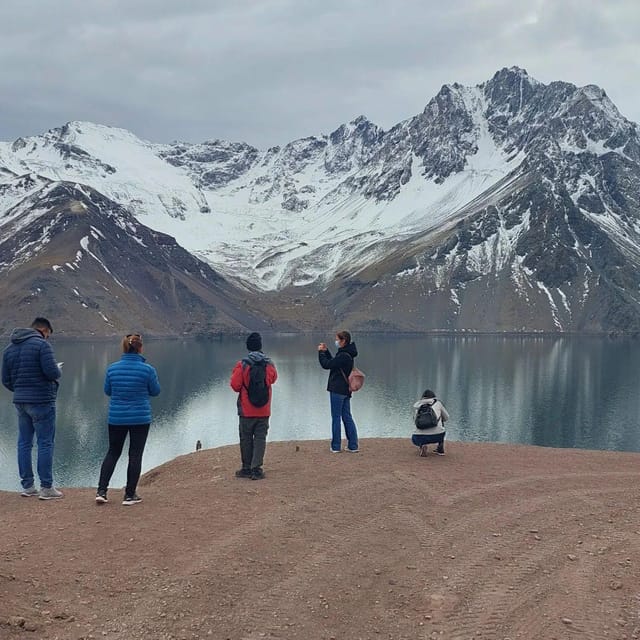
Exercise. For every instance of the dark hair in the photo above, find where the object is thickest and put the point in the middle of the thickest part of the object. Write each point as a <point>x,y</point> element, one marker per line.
<point>344,335</point>
<point>254,342</point>
<point>132,343</point>
<point>428,394</point>
<point>42,323</point>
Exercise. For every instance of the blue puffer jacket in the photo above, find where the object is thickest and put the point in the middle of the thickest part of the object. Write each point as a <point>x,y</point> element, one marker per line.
<point>29,368</point>
<point>130,382</point>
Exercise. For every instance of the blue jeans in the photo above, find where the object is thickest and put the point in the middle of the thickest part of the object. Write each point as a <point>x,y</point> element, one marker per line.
<point>38,419</point>
<point>341,411</point>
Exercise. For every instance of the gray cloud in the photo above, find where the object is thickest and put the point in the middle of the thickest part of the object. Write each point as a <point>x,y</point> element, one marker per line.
<point>268,71</point>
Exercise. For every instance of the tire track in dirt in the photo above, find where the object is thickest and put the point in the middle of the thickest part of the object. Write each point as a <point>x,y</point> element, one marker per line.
<point>505,594</point>
<point>379,545</point>
<point>505,591</point>
<point>307,553</point>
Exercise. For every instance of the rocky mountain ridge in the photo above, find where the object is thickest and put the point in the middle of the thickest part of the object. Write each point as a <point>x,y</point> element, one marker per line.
<point>69,253</point>
<point>508,206</point>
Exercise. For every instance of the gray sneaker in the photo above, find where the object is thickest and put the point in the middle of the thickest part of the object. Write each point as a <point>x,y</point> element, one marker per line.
<point>50,493</point>
<point>29,491</point>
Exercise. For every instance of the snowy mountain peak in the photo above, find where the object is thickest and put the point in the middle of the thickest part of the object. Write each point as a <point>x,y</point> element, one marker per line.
<point>513,181</point>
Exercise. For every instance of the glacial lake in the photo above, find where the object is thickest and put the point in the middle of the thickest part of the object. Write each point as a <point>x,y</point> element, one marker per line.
<point>575,392</point>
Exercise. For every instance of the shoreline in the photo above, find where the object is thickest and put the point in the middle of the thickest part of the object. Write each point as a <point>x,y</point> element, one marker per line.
<point>61,336</point>
<point>154,471</point>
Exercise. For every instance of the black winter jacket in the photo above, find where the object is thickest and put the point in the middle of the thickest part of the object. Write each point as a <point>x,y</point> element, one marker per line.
<point>343,362</point>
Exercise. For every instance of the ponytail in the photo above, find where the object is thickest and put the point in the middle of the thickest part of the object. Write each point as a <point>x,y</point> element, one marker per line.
<point>132,343</point>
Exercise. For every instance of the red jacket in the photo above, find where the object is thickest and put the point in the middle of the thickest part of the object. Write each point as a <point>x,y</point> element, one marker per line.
<point>239,383</point>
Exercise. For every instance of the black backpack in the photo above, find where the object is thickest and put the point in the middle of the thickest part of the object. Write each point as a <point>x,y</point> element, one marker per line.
<point>426,418</point>
<point>258,390</point>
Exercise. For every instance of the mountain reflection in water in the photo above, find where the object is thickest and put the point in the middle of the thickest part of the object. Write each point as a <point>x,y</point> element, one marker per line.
<point>550,391</point>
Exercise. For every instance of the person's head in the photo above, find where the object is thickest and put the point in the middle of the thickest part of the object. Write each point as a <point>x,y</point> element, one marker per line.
<point>343,338</point>
<point>132,343</point>
<point>254,342</point>
<point>43,326</point>
<point>428,394</point>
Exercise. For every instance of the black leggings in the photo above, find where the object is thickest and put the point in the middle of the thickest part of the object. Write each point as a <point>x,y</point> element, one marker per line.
<point>137,439</point>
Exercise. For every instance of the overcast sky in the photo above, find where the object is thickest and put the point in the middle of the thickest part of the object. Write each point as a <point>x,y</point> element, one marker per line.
<point>269,71</point>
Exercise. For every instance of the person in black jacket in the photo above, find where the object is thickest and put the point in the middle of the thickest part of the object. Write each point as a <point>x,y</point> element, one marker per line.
<point>338,387</point>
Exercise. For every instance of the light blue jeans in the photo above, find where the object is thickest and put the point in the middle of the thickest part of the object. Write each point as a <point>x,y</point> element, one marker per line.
<point>38,420</point>
<point>341,411</point>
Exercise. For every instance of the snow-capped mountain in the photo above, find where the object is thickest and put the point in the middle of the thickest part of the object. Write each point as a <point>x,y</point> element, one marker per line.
<point>71,254</point>
<point>511,205</point>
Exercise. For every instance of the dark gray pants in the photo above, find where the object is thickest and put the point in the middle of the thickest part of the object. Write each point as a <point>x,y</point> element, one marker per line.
<point>253,441</point>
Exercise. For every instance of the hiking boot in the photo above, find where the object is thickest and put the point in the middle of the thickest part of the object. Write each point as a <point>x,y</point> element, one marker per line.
<point>50,493</point>
<point>243,473</point>
<point>101,497</point>
<point>29,491</point>
<point>134,499</point>
<point>257,473</point>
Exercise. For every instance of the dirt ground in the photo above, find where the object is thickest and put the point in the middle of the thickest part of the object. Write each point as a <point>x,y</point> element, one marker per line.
<point>489,542</point>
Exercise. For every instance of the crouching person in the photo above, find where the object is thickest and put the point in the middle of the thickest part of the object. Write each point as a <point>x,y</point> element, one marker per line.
<point>429,416</point>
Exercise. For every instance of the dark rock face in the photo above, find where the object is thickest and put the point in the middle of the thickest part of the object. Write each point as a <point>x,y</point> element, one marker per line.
<point>558,245</point>
<point>213,164</point>
<point>86,261</point>
<point>352,145</point>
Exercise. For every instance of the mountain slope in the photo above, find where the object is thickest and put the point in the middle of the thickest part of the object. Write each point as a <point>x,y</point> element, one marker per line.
<point>69,253</point>
<point>511,206</point>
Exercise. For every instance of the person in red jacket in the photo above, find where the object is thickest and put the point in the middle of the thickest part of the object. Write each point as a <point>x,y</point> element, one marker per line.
<point>251,379</point>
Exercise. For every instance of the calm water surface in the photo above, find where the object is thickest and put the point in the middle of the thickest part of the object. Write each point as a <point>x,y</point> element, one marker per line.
<point>557,392</point>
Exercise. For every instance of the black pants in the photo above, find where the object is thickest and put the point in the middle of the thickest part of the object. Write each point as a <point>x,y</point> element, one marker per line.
<point>421,439</point>
<point>253,441</point>
<point>137,439</point>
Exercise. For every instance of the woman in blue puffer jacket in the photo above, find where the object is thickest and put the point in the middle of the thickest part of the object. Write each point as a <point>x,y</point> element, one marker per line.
<point>129,382</point>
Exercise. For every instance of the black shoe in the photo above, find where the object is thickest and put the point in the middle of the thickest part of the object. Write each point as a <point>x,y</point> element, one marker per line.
<point>243,473</point>
<point>101,497</point>
<point>134,499</point>
<point>257,473</point>
<point>440,452</point>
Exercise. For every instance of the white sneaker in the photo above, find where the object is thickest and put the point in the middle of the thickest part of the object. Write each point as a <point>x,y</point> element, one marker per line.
<point>50,493</point>
<point>29,491</point>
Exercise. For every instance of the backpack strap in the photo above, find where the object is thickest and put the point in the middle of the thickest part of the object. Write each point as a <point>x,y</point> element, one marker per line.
<point>246,364</point>
<point>439,421</point>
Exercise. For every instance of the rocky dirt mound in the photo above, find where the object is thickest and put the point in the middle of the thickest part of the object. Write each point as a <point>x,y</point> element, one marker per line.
<point>490,541</point>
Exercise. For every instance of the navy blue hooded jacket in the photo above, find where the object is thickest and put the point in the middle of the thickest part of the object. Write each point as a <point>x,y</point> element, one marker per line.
<point>29,368</point>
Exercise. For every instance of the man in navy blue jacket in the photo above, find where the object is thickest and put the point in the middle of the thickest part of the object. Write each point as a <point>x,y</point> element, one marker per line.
<point>30,371</point>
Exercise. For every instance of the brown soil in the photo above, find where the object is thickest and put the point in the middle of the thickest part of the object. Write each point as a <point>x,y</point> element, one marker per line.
<point>489,542</point>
